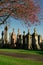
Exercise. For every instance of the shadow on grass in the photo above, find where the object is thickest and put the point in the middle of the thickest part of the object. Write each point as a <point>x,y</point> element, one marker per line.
<point>40,52</point>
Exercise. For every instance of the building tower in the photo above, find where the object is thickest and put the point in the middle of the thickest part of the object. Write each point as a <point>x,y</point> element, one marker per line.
<point>35,40</point>
<point>13,39</point>
<point>5,35</point>
<point>34,30</point>
<point>24,40</point>
<point>9,38</point>
<point>18,31</point>
<point>2,36</point>
<point>18,38</point>
<point>29,40</point>
<point>40,39</point>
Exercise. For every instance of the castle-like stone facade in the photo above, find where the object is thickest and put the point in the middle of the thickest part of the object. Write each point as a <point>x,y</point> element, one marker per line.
<point>25,41</point>
<point>28,41</point>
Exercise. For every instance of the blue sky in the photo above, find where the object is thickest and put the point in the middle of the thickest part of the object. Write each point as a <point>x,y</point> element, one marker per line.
<point>18,24</point>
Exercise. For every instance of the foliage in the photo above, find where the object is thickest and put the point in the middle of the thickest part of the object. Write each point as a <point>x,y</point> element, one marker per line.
<point>26,10</point>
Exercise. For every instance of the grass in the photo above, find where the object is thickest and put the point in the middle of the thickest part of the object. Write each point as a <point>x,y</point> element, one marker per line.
<point>22,51</point>
<point>5,60</point>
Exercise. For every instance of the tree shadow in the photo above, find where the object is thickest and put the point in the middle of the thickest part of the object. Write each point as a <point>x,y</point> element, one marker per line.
<point>40,52</point>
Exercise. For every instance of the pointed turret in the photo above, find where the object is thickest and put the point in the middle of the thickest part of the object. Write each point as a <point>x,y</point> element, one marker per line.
<point>6,35</point>
<point>35,30</point>
<point>24,39</point>
<point>23,32</point>
<point>35,44</point>
<point>29,40</point>
<point>28,31</point>
<point>18,31</point>
<point>13,30</point>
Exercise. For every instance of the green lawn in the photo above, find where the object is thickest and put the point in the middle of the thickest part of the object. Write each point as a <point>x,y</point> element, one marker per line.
<point>5,60</point>
<point>22,51</point>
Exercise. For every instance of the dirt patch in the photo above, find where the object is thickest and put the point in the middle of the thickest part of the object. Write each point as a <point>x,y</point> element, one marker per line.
<point>24,56</point>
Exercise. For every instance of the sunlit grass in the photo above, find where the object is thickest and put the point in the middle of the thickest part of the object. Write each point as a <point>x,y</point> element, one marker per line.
<point>22,51</point>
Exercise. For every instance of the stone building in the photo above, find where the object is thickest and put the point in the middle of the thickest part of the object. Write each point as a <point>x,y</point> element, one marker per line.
<point>6,35</point>
<point>39,39</point>
<point>9,38</point>
<point>25,41</point>
<point>29,40</point>
<point>35,44</point>
<point>13,39</point>
<point>19,39</point>
<point>2,37</point>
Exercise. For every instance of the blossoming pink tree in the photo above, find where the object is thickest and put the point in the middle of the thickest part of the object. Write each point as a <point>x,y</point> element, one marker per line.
<point>26,10</point>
